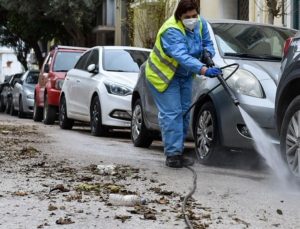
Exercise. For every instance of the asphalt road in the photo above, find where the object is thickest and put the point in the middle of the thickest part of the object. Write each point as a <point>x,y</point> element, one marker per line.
<point>239,192</point>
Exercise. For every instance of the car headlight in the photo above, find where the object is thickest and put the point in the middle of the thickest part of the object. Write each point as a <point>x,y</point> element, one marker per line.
<point>59,83</point>
<point>244,82</point>
<point>30,96</point>
<point>117,89</point>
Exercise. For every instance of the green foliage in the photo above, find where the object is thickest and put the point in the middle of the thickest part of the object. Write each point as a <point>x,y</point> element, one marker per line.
<point>35,22</point>
<point>147,18</point>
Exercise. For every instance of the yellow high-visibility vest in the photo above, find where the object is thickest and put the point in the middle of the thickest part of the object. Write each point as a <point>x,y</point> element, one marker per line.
<point>160,68</point>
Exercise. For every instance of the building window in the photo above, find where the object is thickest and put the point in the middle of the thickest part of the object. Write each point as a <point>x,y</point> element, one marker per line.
<point>243,10</point>
<point>296,10</point>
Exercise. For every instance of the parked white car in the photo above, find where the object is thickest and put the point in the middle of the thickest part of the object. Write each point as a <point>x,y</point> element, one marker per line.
<point>99,88</point>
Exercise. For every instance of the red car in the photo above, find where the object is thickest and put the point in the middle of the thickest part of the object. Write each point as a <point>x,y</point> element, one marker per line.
<point>46,95</point>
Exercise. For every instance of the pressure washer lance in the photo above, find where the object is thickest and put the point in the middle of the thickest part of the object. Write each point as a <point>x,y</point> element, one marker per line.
<point>209,63</point>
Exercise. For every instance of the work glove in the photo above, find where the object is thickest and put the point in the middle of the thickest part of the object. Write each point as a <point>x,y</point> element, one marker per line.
<point>213,72</point>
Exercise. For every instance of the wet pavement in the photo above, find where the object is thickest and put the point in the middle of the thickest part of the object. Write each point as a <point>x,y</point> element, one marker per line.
<point>49,179</point>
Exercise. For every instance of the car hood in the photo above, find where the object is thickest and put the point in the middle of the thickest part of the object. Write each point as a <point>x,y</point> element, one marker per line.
<point>125,78</point>
<point>261,69</point>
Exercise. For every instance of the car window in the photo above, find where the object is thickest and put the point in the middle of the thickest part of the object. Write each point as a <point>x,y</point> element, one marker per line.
<point>93,58</point>
<point>123,60</point>
<point>251,40</point>
<point>81,64</point>
<point>15,78</point>
<point>64,61</point>
<point>32,78</point>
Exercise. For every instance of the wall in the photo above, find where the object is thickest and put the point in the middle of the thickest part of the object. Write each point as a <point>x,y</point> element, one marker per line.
<point>219,9</point>
<point>7,54</point>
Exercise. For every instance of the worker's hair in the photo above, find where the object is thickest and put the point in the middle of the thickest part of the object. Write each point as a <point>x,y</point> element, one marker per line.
<point>185,6</point>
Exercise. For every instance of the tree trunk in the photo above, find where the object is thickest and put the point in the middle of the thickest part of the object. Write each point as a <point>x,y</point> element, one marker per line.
<point>38,54</point>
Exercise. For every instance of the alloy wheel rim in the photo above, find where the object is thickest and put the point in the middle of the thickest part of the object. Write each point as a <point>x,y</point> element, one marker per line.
<point>95,118</point>
<point>204,133</point>
<point>62,112</point>
<point>136,122</point>
<point>292,144</point>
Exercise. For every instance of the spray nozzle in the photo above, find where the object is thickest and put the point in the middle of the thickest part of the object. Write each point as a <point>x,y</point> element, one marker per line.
<point>206,59</point>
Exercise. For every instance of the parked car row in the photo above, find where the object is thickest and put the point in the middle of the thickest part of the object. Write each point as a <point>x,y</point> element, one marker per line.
<point>105,86</point>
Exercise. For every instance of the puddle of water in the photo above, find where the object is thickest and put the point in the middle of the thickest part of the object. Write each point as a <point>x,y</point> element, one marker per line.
<point>266,149</point>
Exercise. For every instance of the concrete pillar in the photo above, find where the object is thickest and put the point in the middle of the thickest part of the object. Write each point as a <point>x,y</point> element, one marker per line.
<point>118,22</point>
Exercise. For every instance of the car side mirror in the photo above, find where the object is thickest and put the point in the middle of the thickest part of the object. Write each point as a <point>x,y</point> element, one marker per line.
<point>46,68</point>
<point>93,68</point>
<point>20,81</point>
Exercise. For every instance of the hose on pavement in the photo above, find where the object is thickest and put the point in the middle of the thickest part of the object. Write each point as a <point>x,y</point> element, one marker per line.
<point>184,213</point>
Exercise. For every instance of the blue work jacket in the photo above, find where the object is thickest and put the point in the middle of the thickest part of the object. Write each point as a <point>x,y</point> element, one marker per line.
<point>187,49</point>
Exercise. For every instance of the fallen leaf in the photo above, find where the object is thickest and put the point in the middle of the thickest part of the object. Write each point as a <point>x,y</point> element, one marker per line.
<point>52,207</point>
<point>20,193</point>
<point>162,200</point>
<point>149,216</point>
<point>63,221</point>
<point>60,187</point>
<point>123,218</point>
<point>279,212</point>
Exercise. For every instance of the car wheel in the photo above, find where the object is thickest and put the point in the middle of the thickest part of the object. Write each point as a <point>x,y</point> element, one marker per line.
<point>37,112</point>
<point>2,105</point>
<point>140,136</point>
<point>12,110</point>
<point>290,137</point>
<point>49,112</point>
<point>7,107</point>
<point>97,129</point>
<point>206,134</point>
<point>21,113</point>
<point>64,121</point>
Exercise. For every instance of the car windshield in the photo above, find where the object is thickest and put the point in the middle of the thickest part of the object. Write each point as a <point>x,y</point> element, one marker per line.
<point>64,61</point>
<point>123,60</point>
<point>251,41</point>
<point>32,78</point>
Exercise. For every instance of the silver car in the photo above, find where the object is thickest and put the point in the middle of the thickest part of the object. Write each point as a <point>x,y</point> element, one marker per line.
<point>23,94</point>
<point>215,121</point>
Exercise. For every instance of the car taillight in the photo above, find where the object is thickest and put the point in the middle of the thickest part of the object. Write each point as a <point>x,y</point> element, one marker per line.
<point>286,46</point>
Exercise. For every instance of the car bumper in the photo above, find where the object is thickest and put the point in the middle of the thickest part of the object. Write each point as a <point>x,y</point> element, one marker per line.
<point>233,129</point>
<point>28,105</point>
<point>53,97</point>
<point>116,110</point>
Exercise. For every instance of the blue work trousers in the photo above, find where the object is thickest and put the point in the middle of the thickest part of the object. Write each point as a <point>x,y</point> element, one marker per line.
<point>172,104</point>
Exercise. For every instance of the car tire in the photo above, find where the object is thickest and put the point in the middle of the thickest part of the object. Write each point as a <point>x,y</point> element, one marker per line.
<point>206,135</point>
<point>140,136</point>
<point>37,112</point>
<point>2,105</point>
<point>49,112</point>
<point>12,110</point>
<point>290,138</point>
<point>64,121</point>
<point>21,113</point>
<point>7,107</point>
<point>97,129</point>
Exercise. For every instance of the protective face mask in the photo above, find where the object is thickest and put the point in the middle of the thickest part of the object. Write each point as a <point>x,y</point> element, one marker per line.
<point>190,23</point>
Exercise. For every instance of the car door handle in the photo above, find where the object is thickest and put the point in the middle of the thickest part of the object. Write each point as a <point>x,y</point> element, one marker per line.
<point>78,81</point>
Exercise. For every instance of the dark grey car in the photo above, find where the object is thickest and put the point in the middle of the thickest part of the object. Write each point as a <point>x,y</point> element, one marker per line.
<point>6,93</point>
<point>215,121</point>
<point>23,93</point>
<point>287,106</point>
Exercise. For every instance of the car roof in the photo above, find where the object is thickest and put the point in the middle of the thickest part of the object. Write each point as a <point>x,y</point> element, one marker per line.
<point>227,21</point>
<point>68,48</point>
<point>123,47</point>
